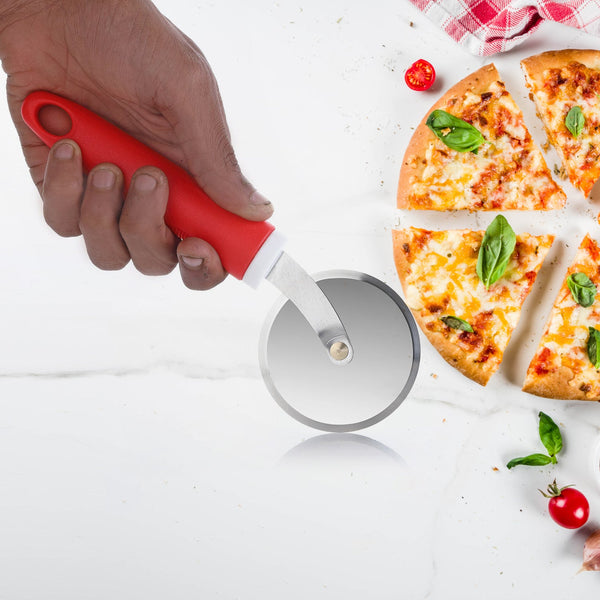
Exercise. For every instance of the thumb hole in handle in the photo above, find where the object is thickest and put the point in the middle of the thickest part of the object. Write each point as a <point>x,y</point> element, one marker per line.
<point>55,120</point>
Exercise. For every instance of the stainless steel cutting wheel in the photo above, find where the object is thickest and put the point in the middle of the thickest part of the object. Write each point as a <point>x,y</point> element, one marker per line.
<point>316,391</point>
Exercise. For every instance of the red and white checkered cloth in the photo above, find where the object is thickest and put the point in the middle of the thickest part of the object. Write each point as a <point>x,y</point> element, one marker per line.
<point>486,27</point>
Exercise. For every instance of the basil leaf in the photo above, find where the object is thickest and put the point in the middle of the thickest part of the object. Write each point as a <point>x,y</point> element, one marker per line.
<point>574,121</point>
<point>593,347</point>
<point>550,435</point>
<point>582,289</point>
<point>533,460</point>
<point>496,249</point>
<point>456,323</point>
<point>454,132</point>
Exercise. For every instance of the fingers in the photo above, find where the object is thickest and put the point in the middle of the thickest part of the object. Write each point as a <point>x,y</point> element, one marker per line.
<point>99,219</point>
<point>116,230</point>
<point>62,188</point>
<point>151,244</point>
<point>199,264</point>
<point>113,230</point>
<point>153,247</point>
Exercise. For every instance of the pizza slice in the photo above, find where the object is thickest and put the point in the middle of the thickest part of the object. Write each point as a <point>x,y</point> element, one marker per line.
<point>473,151</point>
<point>565,86</point>
<point>566,364</point>
<point>466,289</point>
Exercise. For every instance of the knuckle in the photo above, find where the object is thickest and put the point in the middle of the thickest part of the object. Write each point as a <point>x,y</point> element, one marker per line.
<point>229,158</point>
<point>154,269</point>
<point>202,280</point>
<point>65,231</point>
<point>64,227</point>
<point>96,218</point>
<point>129,226</point>
<point>110,263</point>
<point>53,189</point>
<point>199,73</point>
<point>136,231</point>
<point>223,166</point>
<point>196,285</point>
<point>224,149</point>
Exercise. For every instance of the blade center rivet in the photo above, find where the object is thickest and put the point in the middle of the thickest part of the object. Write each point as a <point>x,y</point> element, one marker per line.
<point>339,351</point>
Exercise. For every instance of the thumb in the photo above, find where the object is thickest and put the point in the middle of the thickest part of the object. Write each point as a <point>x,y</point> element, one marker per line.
<point>207,147</point>
<point>220,176</point>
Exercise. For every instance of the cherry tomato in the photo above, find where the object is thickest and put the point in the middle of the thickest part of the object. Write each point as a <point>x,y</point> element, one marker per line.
<point>420,75</point>
<point>567,506</point>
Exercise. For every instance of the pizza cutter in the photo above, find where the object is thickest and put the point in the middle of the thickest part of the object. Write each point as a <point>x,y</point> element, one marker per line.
<point>338,352</point>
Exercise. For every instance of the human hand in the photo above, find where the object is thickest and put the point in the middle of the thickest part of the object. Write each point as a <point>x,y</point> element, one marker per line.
<point>125,61</point>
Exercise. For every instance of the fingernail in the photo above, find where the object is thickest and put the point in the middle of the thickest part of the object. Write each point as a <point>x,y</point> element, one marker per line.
<point>64,151</point>
<point>192,262</point>
<point>103,179</point>
<point>144,182</point>
<point>259,200</point>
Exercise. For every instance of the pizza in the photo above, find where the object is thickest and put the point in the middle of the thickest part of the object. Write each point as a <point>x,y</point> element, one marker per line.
<point>466,289</point>
<point>566,364</point>
<point>565,86</point>
<point>473,151</point>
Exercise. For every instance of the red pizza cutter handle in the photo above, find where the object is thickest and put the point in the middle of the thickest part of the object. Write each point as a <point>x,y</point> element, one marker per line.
<point>190,212</point>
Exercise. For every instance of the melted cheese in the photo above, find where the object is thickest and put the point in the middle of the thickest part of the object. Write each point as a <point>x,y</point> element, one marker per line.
<point>507,172</point>
<point>564,342</point>
<point>442,281</point>
<point>573,85</point>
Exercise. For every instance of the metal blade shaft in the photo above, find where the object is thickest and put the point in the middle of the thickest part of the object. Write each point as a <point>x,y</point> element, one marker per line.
<point>297,285</point>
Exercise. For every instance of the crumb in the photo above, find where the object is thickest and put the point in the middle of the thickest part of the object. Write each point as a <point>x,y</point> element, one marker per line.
<point>495,469</point>
<point>411,24</point>
<point>546,146</point>
<point>444,420</point>
<point>339,20</point>
<point>434,375</point>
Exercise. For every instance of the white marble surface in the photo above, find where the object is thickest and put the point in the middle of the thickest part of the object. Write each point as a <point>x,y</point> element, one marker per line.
<point>141,455</point>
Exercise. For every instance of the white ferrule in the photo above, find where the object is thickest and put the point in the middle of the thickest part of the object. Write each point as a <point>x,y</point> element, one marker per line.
<point>265,258</point>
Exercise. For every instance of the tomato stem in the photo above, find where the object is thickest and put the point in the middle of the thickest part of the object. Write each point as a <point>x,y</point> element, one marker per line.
<point>553,490</point>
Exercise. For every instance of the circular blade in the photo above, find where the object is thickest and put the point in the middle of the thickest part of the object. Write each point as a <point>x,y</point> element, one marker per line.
<point>310,387</point>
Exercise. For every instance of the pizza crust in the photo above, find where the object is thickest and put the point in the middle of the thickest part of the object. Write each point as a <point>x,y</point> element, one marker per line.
<point>456,357</point>
<point>555,385</point>
<point>447,349</point>
<point>400,239</point>
<point>534,66</point>
<point>477,82</point>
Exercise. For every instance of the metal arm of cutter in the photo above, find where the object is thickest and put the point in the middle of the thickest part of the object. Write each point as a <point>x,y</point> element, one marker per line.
<point>297,285</point>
